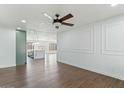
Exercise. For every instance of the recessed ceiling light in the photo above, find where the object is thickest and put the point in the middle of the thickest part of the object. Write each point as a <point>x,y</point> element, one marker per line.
<point>18,28</point>
<point>114,4</point>
<point>23,21</point>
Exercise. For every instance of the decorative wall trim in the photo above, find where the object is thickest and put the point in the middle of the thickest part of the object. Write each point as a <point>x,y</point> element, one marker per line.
<point>105,50</point>
<point>83,50</point>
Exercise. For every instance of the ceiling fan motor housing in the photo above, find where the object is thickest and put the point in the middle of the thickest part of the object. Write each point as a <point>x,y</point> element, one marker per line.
<point>57,19</point>
<point>60,21</point>
<point>57,15</point>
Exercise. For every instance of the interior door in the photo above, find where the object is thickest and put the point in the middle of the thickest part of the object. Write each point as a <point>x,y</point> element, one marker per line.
<point>20,47</point>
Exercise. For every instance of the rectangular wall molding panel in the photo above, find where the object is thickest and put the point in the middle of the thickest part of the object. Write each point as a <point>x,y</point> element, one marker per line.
<point>86,34</point>
<point>98,47</point>
<point>112,38</point>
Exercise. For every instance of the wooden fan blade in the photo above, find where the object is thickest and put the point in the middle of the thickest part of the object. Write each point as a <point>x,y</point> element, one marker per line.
<point>68,24</point>
<point>66,17</point>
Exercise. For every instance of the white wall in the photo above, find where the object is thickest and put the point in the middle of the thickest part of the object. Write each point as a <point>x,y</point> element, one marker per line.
<point>98,47</point>
<point>7,47</point>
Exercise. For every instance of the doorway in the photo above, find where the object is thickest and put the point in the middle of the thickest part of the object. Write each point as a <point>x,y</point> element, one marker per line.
<point>21,58</point>
<point>41,44</point>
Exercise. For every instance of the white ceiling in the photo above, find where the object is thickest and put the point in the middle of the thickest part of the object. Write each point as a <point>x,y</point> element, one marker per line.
<point>11,15</point>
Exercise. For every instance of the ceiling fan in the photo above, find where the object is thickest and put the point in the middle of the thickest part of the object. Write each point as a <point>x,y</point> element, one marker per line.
<point>60,21</point>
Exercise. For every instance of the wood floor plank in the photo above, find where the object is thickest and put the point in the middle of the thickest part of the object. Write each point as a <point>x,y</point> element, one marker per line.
<point>52,74</point>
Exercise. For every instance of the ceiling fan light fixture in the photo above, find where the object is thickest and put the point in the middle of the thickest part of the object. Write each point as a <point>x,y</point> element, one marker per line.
<point>57,25</point>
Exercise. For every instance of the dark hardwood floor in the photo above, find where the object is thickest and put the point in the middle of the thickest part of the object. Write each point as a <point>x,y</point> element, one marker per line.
<point>51,74</point>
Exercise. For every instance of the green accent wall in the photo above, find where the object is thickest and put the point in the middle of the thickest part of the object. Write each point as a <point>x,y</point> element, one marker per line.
<point>21,56</point>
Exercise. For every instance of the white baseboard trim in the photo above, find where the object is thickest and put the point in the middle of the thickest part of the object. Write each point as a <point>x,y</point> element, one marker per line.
<point>94,70</point>
<point>6,66</point>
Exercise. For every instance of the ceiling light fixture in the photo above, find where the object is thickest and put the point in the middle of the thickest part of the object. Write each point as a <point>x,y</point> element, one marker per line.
<point>18,28</point>
<point>114,4</point>
<point>23,21</point>
<point>45,14</point>
<point>57,25</point>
